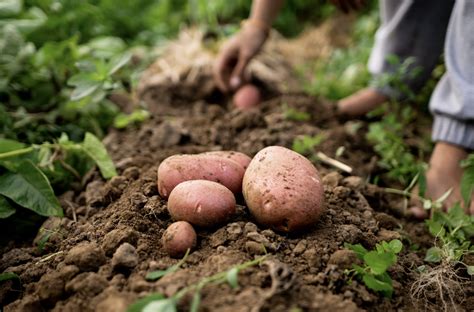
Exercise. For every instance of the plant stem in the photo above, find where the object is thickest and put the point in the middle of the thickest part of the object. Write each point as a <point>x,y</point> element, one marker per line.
<point>221,276</point>
<point>17,152</point>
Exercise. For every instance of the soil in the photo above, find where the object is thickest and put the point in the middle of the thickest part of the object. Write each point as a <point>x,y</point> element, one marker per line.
<point>97,257</point>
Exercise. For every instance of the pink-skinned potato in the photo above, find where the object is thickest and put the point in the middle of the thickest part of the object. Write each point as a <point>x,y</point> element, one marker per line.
<point>247,97</point>
<point>179,168</point>
<point>283,190</point>
<point>238,157</point>
<point>202,203</point>
<point>178,238</point>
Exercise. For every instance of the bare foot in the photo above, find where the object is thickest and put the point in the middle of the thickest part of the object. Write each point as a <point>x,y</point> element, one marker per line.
<point>443,174</point>
<point>360,103</point>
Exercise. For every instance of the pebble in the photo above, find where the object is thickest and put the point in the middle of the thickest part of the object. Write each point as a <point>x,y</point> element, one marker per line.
<point>254,248</point>
<point>331,180</point>
<point>300,247</point>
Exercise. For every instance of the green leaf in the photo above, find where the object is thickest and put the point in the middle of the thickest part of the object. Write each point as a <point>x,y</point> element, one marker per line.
<point>8,276</point>
<point>467,184</point>
<point>96,150</point>
<point>470,269</point>
<point>10,7</point>
<point>84,89</point>
<point>30,188</point>
<point>379,262</point>
<point>164,305</point>
<point>140,304</point>
<point>118,62</point>
<point>196,302</point>
<point>358,249</point>
<point>6,209</point>
<point>155,275</point>
<point>232,277</point>
<point>433,255</point>
<point>7,145</point>
<point>376,284</point>
<point>395,246</point>
<point>123,120</point>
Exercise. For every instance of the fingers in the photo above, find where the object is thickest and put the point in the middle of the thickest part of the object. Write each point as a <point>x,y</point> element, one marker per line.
<point>238,72</point>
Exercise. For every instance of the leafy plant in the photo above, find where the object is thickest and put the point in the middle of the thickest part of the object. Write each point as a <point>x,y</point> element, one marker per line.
<point>158,303</point>
<point>156,275</point>
<point>291,113</point>
<point>376,263</point>
<point>28,171</point>
<point>305,144</point>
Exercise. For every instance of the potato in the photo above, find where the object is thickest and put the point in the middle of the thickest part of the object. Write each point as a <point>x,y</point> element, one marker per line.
<point>238,157</point>
<point>178,238</point>
<point>283,190</point>
<point>179,168</point>
<point>201,202</point>
<point>246,97</point>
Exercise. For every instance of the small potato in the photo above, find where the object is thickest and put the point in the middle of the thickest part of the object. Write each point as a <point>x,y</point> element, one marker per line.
<point>178,238</point>
<point>246,97</point>
<point>238,157</point>
<point>283,190</point>
<point>202,203</point>
<point>179,168</point>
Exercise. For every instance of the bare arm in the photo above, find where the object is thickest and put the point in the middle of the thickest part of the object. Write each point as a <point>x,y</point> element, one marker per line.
<point>265,11</point>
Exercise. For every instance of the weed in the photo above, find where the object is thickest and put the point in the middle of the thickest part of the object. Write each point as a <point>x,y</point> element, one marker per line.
<point>291,113</point>
<point>29,171</point>
<point>157,302</point>
<point>305,144</point>
<point>156,275</point>
<point>376,262</point>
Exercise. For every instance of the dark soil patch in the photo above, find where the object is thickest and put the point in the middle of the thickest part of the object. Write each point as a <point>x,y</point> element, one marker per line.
<point>97,257</point>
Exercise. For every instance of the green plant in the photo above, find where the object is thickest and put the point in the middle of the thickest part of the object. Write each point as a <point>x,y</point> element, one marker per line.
<point>290,113</point>
<point>305,144</point>
<point>376,263</point>
<point>29,171</point>
<point>157,302</point>
<point>156,275</point>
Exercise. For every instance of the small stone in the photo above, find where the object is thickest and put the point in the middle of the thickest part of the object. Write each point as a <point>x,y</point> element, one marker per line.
<point>125,257</point>
<point>386,235</point>
<point>86,256</point>
<point>254,248</point>
<point>131,173</point>
<point>116,237</point>
<point>250,227</point>
<point>353,182</point>
<point>300,247</point>
<point>331,180</point>
<point>367,214</point>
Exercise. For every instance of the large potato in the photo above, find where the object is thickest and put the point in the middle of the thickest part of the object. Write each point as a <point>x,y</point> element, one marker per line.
<point>283,189</point>
<point>201,202</point>
<point>178,238</point>
<point>238,157</point>
<point>179,168</point>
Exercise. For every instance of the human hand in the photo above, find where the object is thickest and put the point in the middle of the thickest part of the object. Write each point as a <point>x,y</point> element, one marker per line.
<point>235,55</point>
<point>347,5</point>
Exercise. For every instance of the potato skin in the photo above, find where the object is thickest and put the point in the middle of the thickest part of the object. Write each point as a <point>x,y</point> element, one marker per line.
<point>240,158</point>
<point>283,190</point>
<point>202,203</point>
<point>247,97</point>
<point>178,238</point>
<point>179,168</point>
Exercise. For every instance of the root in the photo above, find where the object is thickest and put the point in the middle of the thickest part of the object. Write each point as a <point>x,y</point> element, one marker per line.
<point>440,288</point>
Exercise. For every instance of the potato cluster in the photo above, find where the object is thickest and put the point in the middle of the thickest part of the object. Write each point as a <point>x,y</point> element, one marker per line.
<point>281,188</point>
